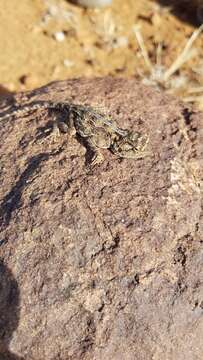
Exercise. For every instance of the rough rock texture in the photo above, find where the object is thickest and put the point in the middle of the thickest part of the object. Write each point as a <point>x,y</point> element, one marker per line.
<point>101,263</point>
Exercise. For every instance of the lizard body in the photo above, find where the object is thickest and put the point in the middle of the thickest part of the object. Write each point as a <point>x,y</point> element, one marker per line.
<point>98,129</point>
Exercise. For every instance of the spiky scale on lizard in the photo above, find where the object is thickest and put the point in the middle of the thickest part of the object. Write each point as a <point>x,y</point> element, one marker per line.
<point>98,129</point>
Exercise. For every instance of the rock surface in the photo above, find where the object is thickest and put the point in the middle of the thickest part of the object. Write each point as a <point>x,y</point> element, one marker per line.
<point>101,263</point>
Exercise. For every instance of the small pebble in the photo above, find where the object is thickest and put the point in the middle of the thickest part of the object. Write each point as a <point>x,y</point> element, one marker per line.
<point>93,3</point>
<point>59,36</point>
<point>68,63</point>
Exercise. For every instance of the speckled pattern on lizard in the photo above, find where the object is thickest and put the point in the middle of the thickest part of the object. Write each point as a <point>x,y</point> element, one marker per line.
<point>99,130</point>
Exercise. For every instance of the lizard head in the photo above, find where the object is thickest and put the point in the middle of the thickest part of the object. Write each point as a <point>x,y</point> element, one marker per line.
<point>130,145</point>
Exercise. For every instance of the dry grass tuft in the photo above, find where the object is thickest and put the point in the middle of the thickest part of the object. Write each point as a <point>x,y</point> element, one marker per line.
<point>164,78</point>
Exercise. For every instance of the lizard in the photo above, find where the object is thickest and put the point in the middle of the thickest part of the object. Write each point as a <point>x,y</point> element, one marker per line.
<point>97,129</point>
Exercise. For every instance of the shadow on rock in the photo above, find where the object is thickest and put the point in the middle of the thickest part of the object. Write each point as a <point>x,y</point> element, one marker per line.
<point>9,311</point>
<point>190,11</point>
<point>5,93</point>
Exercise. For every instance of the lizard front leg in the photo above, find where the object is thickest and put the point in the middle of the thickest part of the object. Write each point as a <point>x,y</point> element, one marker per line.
<point>97,157</point>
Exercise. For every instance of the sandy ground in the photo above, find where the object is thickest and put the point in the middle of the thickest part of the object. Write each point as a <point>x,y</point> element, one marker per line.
<point>47,40</point>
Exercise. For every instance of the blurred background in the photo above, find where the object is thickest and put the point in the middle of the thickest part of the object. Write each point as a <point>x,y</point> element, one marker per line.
<point>158,42</point>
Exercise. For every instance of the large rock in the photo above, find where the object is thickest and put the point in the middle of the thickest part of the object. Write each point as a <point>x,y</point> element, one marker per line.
<point>102,263</point>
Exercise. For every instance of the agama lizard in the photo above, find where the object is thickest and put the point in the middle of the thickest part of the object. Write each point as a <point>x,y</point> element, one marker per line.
<point>98,129</point>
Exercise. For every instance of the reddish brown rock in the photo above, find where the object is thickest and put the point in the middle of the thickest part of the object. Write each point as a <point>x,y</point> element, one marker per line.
<point>105,263</point>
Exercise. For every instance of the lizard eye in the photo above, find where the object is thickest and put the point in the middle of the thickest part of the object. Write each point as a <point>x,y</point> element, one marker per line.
<point>133,137</point>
